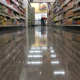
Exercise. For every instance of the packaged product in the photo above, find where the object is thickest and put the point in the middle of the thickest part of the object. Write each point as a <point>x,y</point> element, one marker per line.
<point>1,19</point>
<point>1,8</point>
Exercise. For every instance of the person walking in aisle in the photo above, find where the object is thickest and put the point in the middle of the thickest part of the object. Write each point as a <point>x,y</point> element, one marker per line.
<point>42,21</point>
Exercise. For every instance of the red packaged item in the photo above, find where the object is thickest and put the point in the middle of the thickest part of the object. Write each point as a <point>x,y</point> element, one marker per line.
<point>8,2</point>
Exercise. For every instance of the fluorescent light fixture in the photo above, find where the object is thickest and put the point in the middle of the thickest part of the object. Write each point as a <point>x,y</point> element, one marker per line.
<point>59,72</point>
<point>34,56</point>
<point>37,62</point>
<point>52,51</point>
<point>53,55</point>
<point>54,62</point>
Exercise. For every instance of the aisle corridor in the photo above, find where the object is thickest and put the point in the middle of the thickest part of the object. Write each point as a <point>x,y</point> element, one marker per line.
<point>43,62</point>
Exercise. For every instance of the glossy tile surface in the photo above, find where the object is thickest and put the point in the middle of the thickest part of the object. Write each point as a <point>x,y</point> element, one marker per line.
<point>43,63</point>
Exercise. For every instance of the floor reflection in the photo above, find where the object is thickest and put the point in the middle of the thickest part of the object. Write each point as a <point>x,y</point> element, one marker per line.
<point>43,63</point>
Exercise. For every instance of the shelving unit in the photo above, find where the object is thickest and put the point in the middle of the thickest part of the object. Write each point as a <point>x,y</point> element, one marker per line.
<point>29,13</point>
<point>64,33</point>
<point>11,13</point>
<point>12,39</point>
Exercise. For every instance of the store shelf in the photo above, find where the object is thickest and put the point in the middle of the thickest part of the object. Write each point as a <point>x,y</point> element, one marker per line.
<point>22,7</point>
<point>76,9</point>
<point>10,7</point>
<point>67,3</point>
<point>12,50</point>
<point>9,25</point>
<point>76,17</point>
<point>23,18</point>
<point>15,3</point>
<point>63,40</point>
<point>68,10</point>
<point>76,2</point>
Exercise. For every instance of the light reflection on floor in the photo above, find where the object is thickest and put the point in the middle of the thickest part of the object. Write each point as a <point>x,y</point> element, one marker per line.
<point>43,63</point>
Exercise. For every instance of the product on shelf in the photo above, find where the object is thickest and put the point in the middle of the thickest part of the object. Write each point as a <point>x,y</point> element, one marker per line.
<point>9,9</point>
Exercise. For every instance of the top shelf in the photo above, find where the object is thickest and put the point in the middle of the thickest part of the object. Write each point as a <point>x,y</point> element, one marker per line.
<point>15,3</point>
<point>10,7</point>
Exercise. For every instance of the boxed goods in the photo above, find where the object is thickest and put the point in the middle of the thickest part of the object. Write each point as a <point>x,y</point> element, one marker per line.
<point>70,21</point>
<point>1,8</point>
<point>1,23</point>
<point>70,5</point>
<point>76,14</point>
<point>1,19</point>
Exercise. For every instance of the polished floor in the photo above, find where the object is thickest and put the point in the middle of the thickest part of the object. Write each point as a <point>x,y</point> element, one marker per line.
<point>43,62</point>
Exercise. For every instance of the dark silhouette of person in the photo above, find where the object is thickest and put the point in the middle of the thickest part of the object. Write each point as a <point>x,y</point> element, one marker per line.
<point>42,22</point>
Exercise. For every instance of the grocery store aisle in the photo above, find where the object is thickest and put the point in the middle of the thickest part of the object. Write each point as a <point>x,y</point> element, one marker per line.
<point>43,63</point>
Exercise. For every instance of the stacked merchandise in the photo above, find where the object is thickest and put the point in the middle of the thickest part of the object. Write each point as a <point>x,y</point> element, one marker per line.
<point>64,34</point>
<point>62,11</point>
<point>12,39</point>
<point>29,13</point>
<point>11,13</point>
<point>22,14</point>
<point>76,11</point>
<point>50,15</point>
